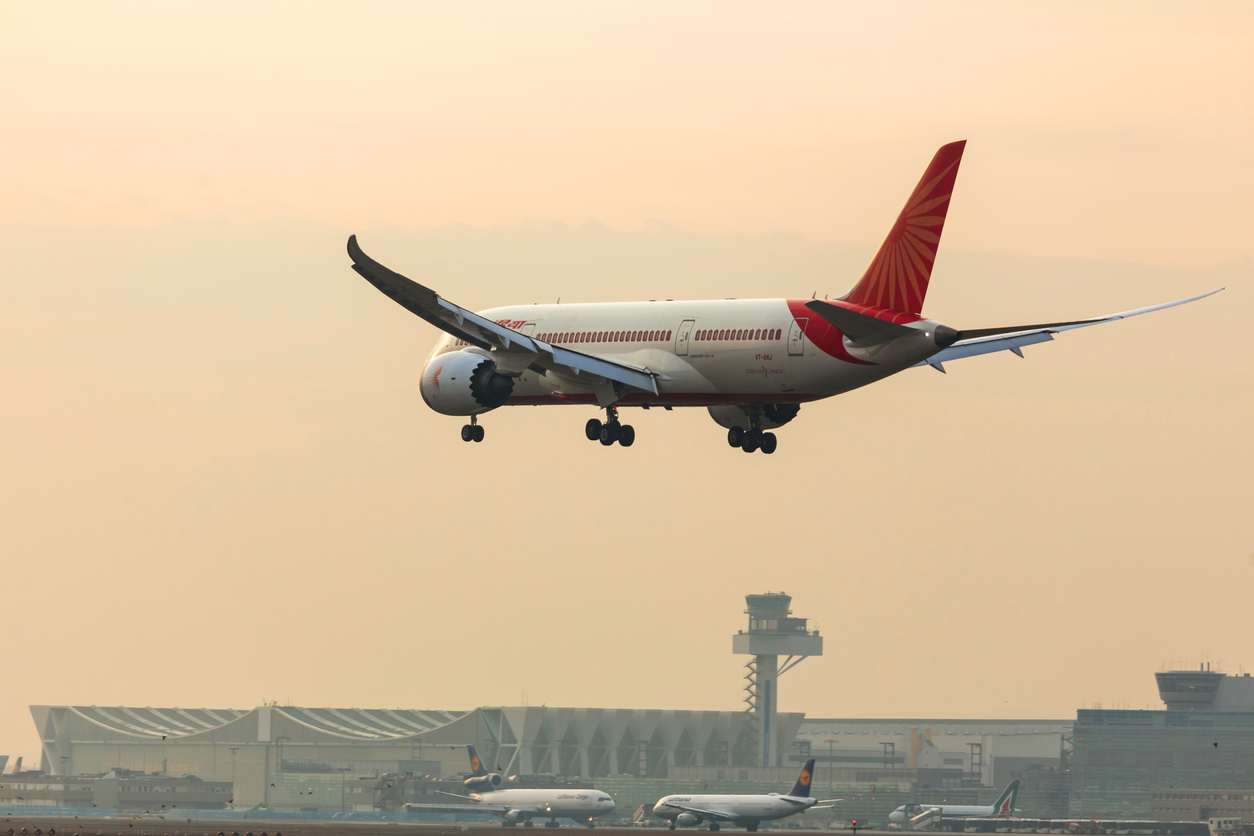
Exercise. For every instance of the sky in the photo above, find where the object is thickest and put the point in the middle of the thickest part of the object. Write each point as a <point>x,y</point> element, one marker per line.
<point>220,485</point>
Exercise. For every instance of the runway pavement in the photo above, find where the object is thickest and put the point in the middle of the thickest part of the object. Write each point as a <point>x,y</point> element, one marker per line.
<point>69,826</point>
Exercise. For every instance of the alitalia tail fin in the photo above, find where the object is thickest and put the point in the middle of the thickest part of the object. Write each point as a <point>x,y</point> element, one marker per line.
<point>897,277</point>
<point>1005,805</point>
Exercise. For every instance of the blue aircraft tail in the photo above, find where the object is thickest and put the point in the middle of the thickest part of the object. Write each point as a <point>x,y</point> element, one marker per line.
<point>476,763</point>
<point>801,789</point>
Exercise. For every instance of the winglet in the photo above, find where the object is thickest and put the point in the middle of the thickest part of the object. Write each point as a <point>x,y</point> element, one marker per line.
<point>898,276</point>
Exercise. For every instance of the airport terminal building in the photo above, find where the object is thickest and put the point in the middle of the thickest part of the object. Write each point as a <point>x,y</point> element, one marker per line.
<point>289,757</point>
<point>1102,764</point>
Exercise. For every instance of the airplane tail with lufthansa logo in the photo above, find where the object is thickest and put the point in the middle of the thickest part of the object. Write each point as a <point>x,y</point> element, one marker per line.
<point>480,779</point>
<point>476,763</point>
<point>801,789</point>
<point>898,276</point>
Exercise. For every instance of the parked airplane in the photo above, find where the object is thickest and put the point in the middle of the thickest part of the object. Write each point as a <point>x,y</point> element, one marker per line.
<point>750,362</point>
<point>521,806</point>
<point>741,810</point>
<point>1002,808</point>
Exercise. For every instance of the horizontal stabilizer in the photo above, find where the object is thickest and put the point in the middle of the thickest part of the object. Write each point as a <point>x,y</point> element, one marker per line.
<point>978,341</point>
<point>859,327</point>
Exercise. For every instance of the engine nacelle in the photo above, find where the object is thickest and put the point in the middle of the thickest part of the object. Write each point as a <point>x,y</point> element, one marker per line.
<point>464,383</point>
<point>515,817</point>
<point>773,415</point>
<point>687,820</point>
<point>484,783</point>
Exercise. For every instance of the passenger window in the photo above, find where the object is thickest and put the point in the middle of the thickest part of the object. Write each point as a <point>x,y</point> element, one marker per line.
<point>668,336</point>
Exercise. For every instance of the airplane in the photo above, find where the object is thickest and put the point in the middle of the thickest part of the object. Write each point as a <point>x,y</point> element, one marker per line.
<point>517,806</point>
<point>745,811</point>
<point>751,363</point>
<point>1002,808</point>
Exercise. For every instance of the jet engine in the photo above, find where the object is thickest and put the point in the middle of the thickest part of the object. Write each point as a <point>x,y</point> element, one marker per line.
<point>687,820</point>
<point>773,415</point>
<point>484,783</point>
<point>515,817</point>
<point>464,383</point>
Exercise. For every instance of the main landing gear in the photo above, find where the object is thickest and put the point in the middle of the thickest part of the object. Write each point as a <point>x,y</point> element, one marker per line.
<point>472,431</point>
<point>753,438</point>
<point>610,431</point>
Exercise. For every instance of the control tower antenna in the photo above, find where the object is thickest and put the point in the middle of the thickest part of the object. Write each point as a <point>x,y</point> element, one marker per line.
<point>772,633</point>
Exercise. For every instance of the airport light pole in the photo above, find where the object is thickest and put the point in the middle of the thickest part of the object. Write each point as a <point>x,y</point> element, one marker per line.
<point>234,749</point>
<point>830,761</point>
<point>343,770</point>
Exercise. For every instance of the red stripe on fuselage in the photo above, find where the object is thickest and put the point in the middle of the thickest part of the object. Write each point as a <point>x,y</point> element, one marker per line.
<point>665,399</point>
<point>825,336</point>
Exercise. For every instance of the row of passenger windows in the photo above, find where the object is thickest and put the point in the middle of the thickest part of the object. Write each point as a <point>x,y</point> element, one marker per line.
<point>705,334</point>
<point>606,337</point>
<point>739,334</point>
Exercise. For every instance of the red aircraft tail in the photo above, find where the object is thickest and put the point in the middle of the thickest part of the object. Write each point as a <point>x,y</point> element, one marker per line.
<point>898,275</point>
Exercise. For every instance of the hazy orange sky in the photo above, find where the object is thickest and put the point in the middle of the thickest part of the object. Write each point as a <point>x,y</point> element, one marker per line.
<point>220,484</point>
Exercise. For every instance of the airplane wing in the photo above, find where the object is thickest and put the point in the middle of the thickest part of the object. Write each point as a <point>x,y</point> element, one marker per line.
<point>476,330</point>
<point>1014,338</point>
<point>701,811</point>
<point>457,809</point>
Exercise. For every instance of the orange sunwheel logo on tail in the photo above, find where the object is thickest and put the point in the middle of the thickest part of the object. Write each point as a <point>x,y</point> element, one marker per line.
<point>898,275</point>
<point>474,763</point>
<point>805,778</point>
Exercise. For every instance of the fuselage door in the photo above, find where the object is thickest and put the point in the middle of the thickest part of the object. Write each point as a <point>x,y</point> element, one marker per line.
<point>797,338</point>
<point>683,336</point>
<point>529,329</point>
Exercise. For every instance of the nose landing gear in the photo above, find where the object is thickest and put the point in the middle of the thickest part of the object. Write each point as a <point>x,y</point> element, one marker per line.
<point>472,431</point>
<point>610,431</point>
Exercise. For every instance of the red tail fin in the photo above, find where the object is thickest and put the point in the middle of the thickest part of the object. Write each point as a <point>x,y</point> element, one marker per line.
<point>898,275</point>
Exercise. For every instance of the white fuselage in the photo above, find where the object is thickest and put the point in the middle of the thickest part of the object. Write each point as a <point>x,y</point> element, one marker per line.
<point>946,811</point>
<point>739,808</point>
<point>557,804</point>
<point>706,353</point>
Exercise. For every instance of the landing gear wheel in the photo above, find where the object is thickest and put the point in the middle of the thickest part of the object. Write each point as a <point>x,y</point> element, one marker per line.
<point>609,434</point>
<point>714,828</point>
<point>527,823</point>
<point>735,436</point>
<point>468,433</point>
<point>476,433</point>
<point>768,443</point>
<point>627,435</point>
<point>751,442</point>
<point>592,429</point>
<point>752,828</point>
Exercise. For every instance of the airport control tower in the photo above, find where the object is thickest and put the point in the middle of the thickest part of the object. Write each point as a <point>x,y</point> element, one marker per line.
<point>772,633</point>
